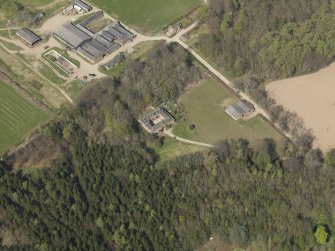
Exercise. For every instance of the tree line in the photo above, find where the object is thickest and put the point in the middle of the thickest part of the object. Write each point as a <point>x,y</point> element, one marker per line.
<point>106,189</point>
<point>274,39</point>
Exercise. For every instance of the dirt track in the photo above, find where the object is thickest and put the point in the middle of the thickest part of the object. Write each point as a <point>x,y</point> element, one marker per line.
<point>312,98</point>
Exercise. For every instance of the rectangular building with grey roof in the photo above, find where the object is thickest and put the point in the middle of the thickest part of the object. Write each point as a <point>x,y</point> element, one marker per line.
<point>240,109</point>
<point>108,36</point>
<point>115,61</point>
<point>123,30</point>
<point>91,18</point>
<point>84,6</point>
<point>28,36</point>
<point>72,35</point>
<point>96,50</point>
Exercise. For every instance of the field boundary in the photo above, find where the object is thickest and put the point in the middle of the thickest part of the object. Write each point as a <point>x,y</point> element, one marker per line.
<point>23,91</point>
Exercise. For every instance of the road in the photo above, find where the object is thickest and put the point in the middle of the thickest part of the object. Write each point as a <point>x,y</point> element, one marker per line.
<point>139,38</point>
<point>258,110</point>
<point>38,73</point>
<point>170,134</point>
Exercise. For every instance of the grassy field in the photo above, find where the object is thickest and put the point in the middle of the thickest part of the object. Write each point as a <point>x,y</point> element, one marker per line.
<point>173,148</point>
<point>17,116</point>
<point>148,15</point>
<point>204,107</point>
<point>11,46</point>
<point>35,3</point>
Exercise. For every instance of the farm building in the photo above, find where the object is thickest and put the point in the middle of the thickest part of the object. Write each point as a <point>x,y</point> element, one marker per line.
<point>37,18</point>
<point>91,18</point>
<point>84,29</point>
<point>94,51</point>
<point>157,120</point>
<point>80,5</point>
<point>108,36</point>
<point>240,109</point>
<point>115,61</point>
<point>118,33</point>
<point>68,10</point>
<point>72,35</point>
<point>28,36</point>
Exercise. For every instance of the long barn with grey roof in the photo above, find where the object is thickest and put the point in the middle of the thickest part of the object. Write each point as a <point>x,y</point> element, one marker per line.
<point>121,29</point>
<point>95,51</point>
<point>121,34</point>
<point>84,6</point>
<point>240,109</point>
<point>108,36</point>
<point>28,36</point>
<point>72,35</point>
<point>91,18</point>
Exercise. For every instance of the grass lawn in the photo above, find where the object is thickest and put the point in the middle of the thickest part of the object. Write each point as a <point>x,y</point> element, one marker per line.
<point>17,116</point>
<point>148,15</point>
<point>205,108</point>
<point>35,3</point>
<point>173,148</point>
<point>11,46</point>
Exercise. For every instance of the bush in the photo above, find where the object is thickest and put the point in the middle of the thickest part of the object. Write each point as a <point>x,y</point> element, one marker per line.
<point>321,234</point>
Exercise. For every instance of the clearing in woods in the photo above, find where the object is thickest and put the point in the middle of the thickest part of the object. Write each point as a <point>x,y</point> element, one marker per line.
<point>149,15</point>
<point>205,108</point>
<point>173,148</point>
<point>17,116</point>
<point>312,98</point>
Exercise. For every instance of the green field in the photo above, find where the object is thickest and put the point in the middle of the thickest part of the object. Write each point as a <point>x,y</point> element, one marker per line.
<point>35,3</point>
<point>147,15</point>
<point>205,108</point>
<point>172,148</point>
<point>17,117</point>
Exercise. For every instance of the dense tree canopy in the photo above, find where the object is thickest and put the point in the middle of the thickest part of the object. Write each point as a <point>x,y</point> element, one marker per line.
<point>272,38</point>
<point>106,189</point>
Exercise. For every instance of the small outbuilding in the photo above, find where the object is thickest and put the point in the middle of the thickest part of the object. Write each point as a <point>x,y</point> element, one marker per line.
<point>78,4</point>
<point>115,61</point>
<point>27,36</point>
<point>240,109</point>
<point>37,18</point>
<point>157,120</point>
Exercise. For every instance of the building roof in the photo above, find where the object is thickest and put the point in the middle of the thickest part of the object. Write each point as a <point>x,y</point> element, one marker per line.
<point>119,33</point>
<point>149,124</point>
<point>86,54</point>
<point>94,48</point>
<point>121,29</point>
<point>239,109</point>
<point>27,35</point>
<point>83,5</point>
<point>84,29</point>
<point>38,17</point>
<point>115,32</point>
<point>116,60</point>
<point>108,36</point>
<point>72,35</point>
<point>91,18</point>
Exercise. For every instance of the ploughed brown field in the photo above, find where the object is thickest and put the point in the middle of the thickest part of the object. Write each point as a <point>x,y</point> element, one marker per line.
<point>312,97</point>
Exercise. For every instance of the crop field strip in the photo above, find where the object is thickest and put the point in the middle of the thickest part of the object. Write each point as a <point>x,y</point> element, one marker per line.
<point>149,15</point>
<point>17,116</point>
